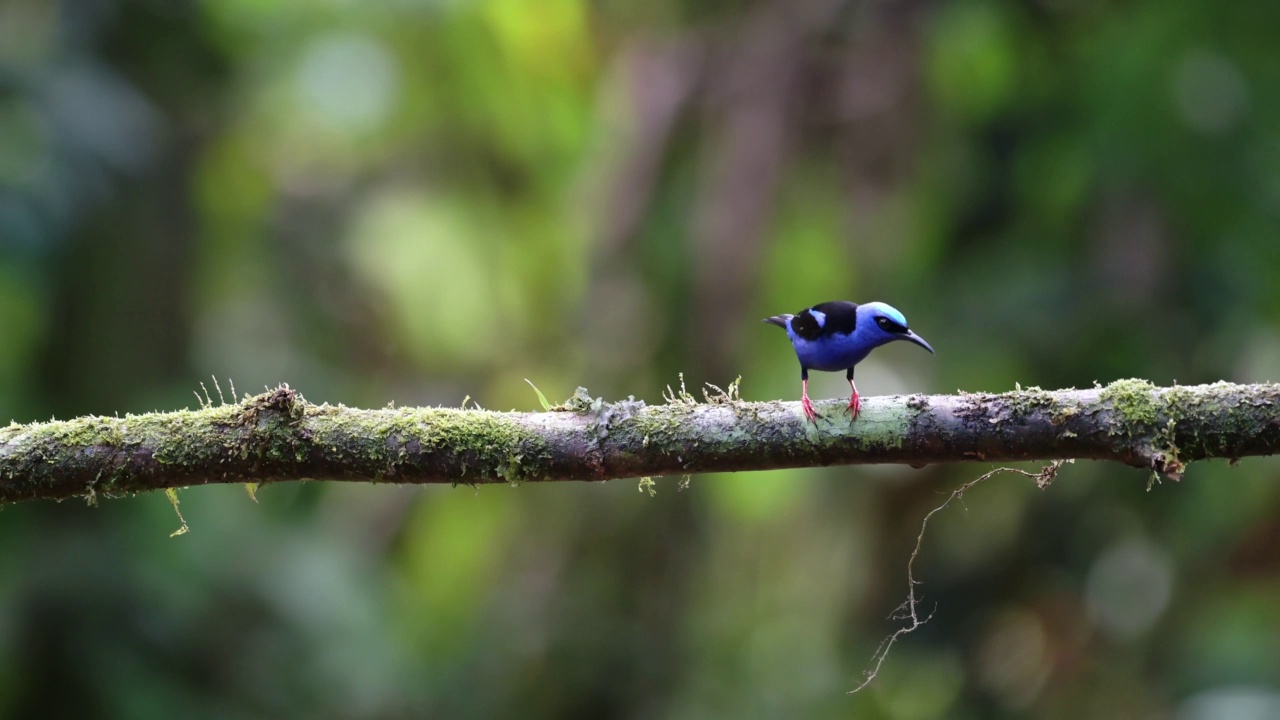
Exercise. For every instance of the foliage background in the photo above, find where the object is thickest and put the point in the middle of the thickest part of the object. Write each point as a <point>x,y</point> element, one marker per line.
<point>414,202</point>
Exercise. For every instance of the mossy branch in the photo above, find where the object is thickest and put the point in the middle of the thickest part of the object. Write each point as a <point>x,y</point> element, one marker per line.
<point>279,436</point>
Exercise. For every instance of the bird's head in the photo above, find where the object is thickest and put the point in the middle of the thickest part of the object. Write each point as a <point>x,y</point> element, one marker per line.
<point>883,324</point>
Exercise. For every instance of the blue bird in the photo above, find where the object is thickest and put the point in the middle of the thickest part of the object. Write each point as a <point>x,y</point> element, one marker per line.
<point>837,335</point>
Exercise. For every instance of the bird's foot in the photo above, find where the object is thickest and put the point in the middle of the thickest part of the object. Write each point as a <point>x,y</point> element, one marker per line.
<point>855,405</point>
<point>808,409</point>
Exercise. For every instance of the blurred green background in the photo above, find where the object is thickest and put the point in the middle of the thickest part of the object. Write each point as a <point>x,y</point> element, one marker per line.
<point>422,201</point>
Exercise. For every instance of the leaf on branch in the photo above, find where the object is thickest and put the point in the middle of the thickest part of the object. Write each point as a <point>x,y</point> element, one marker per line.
<point>541,398</point>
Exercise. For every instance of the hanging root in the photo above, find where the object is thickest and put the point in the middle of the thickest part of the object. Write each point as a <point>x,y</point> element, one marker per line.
<point>909,610</point>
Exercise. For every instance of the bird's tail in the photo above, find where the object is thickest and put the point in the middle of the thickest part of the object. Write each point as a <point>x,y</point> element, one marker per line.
<point>779,320</point>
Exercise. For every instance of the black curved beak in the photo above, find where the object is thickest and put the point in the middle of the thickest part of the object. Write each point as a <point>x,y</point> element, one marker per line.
<point>912,337</point>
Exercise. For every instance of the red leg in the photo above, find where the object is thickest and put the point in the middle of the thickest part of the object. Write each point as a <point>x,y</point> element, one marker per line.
<point>804,402</point>
<point>855,403</point>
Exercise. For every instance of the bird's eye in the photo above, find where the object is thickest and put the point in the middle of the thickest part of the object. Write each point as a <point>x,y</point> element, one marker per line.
<point>889,325</point>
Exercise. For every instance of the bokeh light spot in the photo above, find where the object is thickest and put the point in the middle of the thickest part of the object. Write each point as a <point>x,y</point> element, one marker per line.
<point>349,83</point>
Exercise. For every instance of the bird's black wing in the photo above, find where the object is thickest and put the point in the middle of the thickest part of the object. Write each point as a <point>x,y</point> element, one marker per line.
<point>837,316</point>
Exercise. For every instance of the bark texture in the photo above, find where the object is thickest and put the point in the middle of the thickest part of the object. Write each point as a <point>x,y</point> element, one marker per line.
<point>279,436</point>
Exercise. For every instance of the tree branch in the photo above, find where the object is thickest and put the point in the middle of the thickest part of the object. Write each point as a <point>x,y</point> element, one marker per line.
<point>279,436</point>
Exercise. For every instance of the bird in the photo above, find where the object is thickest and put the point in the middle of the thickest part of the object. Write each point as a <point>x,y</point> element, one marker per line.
<point>837,335</point>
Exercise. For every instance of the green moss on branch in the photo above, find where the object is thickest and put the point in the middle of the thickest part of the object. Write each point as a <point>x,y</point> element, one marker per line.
<point>278,436</point>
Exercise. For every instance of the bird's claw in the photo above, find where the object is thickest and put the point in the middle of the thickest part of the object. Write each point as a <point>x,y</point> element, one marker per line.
<point>808,410</point>
<point>855,404</point>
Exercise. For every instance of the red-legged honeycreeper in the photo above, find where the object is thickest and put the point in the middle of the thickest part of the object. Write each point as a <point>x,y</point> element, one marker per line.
<point>837,335</point>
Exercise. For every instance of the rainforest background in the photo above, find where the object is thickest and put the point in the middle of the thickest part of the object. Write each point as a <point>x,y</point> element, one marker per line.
<point>422,201</point>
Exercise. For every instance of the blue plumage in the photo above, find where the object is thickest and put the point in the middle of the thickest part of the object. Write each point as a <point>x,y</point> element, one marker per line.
<point>838,335</point>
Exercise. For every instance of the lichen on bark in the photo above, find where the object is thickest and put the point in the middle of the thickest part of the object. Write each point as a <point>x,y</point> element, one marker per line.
<point>278,436</point>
